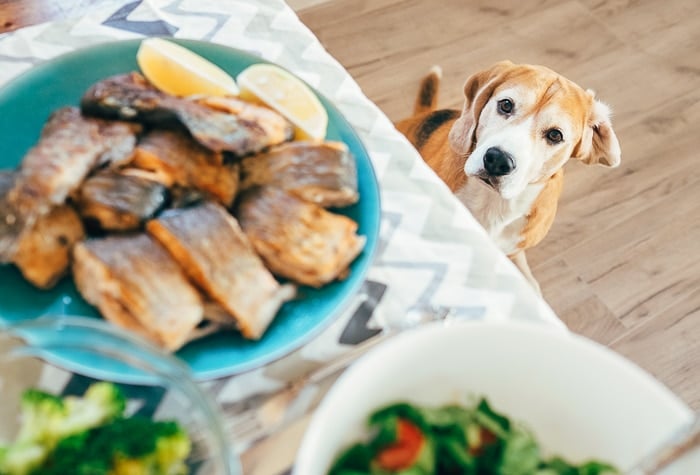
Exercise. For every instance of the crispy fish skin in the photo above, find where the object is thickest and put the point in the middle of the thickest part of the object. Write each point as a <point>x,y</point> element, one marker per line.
<point>136,284</point>
<point>209,244</point>
<point>180,160</point>
<point>120,200</point>
<point>322,173</point>
<point>297,239</point>
<point>131,97</point>
<point>43,253</point>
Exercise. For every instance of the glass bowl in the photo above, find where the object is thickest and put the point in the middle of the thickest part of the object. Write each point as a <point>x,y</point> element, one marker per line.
<point>33,355</point>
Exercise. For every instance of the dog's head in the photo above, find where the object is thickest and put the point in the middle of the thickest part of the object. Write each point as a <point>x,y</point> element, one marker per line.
<point>520,124</point>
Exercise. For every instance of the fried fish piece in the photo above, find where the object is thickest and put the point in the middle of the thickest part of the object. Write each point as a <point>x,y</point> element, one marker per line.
<point>322,173</point>
<point>66,152</point>
<point>43,253</point>
<point>180,160</point>
<point>274,124</point>
<point>136,284</point>
<point>297,239</point>
<point>69,147</point>
<point>120,200</point>
<point>132,97</point>
<point>209,244</point>
<point>118,138</point>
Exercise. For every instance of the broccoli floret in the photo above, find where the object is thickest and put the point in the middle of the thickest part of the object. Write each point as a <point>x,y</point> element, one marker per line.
<point>168,459</point>
<point>46,419</point>
<point>40,414</point>
<point>161,448</point>
<point>72,455</point>
<point>134,446</point>
<point>101,403</point>
<point>21,458</point>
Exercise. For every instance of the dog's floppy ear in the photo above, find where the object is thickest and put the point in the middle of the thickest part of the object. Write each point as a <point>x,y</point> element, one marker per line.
<point>599,144</point>
<point>477,91</point>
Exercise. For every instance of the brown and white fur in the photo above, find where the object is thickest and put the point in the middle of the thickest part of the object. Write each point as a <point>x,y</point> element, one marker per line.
<point>502,154</point>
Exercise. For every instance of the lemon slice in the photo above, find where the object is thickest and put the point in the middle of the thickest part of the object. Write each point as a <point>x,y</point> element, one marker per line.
<point>278,89</point>
<point>178,71</point>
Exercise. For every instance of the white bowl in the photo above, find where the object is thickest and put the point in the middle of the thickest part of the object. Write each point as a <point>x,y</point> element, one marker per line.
<point>581,400</point>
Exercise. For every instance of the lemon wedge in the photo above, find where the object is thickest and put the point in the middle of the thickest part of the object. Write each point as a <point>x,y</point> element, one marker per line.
<point>177,70</point>
<point>288,95</point>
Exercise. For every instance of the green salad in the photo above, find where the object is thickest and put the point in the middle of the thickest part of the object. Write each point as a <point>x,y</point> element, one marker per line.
<point>90,435</point>
<point>452,440</point>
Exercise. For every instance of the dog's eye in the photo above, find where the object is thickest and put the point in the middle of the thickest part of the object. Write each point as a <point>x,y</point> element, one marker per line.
<point>505,106</point>
<point>554,136</point>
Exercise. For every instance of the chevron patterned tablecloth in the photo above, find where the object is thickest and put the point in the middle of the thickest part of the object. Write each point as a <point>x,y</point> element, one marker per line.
<point>431,254</point>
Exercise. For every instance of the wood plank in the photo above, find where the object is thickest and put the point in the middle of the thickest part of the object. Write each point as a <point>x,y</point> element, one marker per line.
<point>575,302</point>
<point>667,347</point>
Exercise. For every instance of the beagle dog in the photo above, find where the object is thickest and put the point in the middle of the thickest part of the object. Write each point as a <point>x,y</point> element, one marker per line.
<point>502,154</point>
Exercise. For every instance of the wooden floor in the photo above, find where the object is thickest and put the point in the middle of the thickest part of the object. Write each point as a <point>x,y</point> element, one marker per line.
<point>622,262</point>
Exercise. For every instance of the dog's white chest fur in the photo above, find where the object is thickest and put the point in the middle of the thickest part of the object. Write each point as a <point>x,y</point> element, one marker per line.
<point>504,220</point>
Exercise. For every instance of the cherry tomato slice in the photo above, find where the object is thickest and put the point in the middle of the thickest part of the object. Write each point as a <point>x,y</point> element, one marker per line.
<point>405,451</point>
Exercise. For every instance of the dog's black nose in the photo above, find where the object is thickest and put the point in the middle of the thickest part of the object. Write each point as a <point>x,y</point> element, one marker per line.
<point>497,162</point>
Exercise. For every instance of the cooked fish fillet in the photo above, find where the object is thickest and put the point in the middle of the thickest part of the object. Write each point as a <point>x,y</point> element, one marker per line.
<point>325,173</point>
<point>58,163</point>
<point>131,97</point>
<point>209,244</point>
<point>136,284</point>
<point>44,252</point>
<point>55,166</point>
<point>118,138</point>
<point>180,160</point>
<point>69,147</point>
<point>120,200</point>
<point>271,122</point>
<point>297,239</point>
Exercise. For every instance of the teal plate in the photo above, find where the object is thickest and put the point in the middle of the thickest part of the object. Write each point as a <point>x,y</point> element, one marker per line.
<point>26,103</point>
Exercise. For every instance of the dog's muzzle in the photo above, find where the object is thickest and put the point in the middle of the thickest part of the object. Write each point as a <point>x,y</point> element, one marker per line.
<point>498,163</point>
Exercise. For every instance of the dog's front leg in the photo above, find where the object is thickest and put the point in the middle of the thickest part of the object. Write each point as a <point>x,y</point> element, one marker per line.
<point>520,262</point>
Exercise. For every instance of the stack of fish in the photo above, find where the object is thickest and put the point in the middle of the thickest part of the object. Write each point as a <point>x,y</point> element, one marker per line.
<point>138,193</point>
